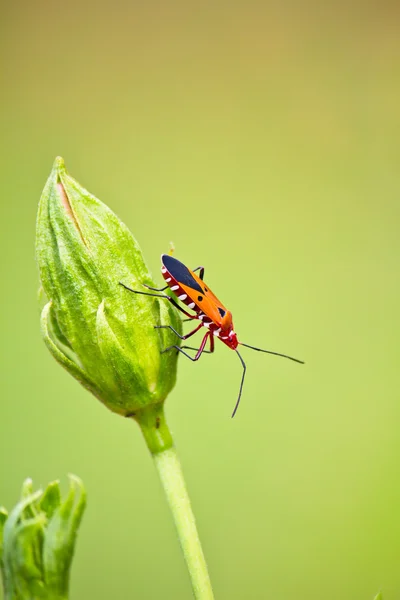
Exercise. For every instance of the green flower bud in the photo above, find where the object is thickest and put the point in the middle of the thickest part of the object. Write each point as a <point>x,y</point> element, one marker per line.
<point>37,541</point>
<point>101,333</point>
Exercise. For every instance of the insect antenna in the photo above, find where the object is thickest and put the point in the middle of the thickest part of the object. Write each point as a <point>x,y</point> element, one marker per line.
<point>241,384</point>
<point>275,353</point>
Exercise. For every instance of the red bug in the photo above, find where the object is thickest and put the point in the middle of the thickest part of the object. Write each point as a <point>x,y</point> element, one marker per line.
<point>212,314</point>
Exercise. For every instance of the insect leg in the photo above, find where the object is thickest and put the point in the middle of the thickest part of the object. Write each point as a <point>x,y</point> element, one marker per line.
<point>191,348</point>
<point>155,289</point>
<point>182,337</point>
<point>157,296</point>
<point>241,384</point>
<point>210,351</point>
<point>201,269</point>
<point>199,350</point>
<point>211,342</point>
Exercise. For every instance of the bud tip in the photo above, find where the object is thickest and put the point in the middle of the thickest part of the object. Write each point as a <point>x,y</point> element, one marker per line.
<point>59,164</point>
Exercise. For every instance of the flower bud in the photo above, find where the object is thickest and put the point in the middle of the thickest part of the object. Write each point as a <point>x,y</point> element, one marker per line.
<point>37,541</point>
<point>101,333</point>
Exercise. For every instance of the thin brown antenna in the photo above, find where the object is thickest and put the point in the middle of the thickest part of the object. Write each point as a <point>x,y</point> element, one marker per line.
<point>275,353</point>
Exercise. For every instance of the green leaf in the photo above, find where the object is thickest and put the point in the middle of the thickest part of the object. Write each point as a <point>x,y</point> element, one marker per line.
<point>39,540</point>
<point>61,535</point>
<point>3,519</point>
<point>51,499</point>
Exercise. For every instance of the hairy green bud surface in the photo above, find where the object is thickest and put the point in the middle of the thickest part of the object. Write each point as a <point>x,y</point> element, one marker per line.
<point>101,333</point>
<point>37,541</point>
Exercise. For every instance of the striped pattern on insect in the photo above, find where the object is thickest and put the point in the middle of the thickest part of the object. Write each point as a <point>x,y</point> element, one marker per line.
<point>191,290</point>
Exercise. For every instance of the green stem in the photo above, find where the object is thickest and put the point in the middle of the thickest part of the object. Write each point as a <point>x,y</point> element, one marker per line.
<point>159,440</point>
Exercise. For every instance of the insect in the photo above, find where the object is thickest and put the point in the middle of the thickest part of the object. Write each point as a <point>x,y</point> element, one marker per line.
<point>191,290</point>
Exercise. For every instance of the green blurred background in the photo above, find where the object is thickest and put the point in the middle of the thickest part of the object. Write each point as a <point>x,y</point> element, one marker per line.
<point>263,140</point>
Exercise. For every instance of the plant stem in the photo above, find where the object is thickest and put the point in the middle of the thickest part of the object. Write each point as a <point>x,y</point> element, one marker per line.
<point>172,480</point>
<point>159,440</point>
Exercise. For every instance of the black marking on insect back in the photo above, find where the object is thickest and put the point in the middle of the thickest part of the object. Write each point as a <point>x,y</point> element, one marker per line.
<point>180,272</point>
<point>221,311</point>
<point>199,298</point>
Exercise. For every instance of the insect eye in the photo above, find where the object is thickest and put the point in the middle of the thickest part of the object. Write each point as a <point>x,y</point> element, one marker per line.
<point>199,298</point>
